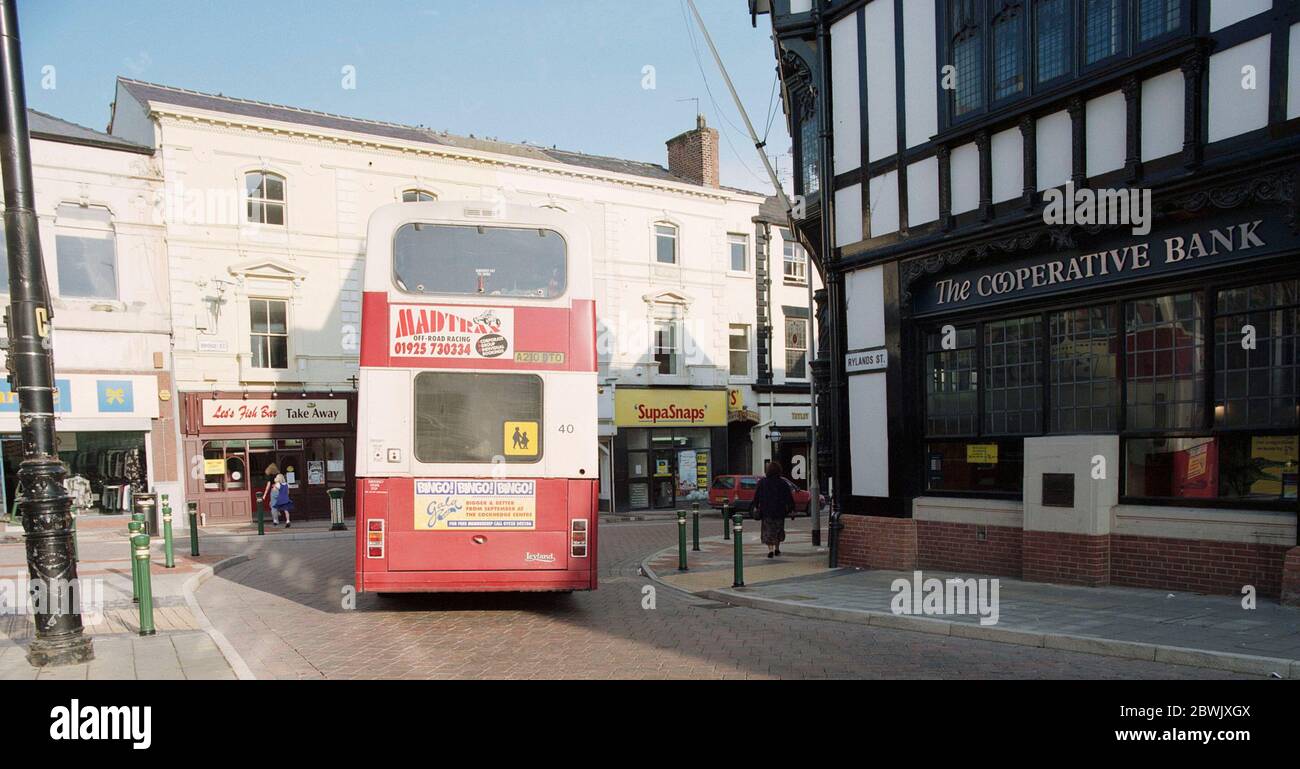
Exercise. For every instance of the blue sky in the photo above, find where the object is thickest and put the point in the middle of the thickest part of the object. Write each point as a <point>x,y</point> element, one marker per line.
<point>563,72</point>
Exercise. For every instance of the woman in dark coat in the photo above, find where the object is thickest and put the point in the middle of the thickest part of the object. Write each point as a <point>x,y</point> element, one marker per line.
<point>773,502</point>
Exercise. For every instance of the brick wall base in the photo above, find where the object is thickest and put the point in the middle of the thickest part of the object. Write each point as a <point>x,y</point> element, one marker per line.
<point>1070,559</point>
<point>969,547</point>
<point>871,542</point>
<point>1291,578</point>
<point>1200,566</point>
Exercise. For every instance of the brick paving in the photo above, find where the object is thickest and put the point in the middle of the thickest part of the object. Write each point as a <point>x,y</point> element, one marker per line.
<point>283,611</point>
<point>179,650</point>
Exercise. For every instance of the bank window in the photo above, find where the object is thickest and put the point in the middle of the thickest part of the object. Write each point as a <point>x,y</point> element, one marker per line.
<point>86,251</point>
<point>1008,50</point>
<point>1084,370</point>
<point>666,243</point>
<point>1158,17</point>
<point>810,149</point>
<point>264,192</point>
<point>465,418</point>
<point>1013,387</point>
<point>1164,351</point>
<point>269,333</point>
<point>967,56</point>
<point>794,264</point>
<point>952,383</point>
<point>1052,38</point>
<point>1257,356</point>
<point>668,345</point>
<point>418,196</point>
<point>1102,28</point>
<point>739,349</point>
<point>796,348</point>
<point>738,248</point>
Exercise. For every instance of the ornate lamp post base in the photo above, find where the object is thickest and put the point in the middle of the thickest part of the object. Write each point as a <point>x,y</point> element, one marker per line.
<point>72,649</point>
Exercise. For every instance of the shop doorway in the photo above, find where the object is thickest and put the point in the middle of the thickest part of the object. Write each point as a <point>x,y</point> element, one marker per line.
<point>665,480</point>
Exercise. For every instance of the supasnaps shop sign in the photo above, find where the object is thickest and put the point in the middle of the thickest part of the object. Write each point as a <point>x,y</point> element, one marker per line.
<point>1130,260</point>
<point>281,411</point>
<point>670,408</point>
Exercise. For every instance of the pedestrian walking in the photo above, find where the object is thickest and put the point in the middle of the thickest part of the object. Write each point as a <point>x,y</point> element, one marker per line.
<point>773,502</point>
<point>267,497</point>
<point>282,504</point>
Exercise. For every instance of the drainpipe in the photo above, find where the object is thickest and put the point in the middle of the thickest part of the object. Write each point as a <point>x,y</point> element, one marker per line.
<point>827,173</point>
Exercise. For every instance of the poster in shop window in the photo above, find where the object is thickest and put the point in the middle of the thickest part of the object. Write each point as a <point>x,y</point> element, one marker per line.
<point>315,473</point>
<point>1275,457</point>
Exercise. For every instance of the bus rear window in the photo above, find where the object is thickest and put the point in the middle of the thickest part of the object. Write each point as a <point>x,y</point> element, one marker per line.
<point>478,418</point>
<point>471,260</point>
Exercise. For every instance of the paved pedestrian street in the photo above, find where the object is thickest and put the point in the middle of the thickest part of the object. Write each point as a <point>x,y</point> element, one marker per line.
<point>282,611</point>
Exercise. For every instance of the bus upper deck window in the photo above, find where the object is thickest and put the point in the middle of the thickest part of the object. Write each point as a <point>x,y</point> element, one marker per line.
<point>480,260</point>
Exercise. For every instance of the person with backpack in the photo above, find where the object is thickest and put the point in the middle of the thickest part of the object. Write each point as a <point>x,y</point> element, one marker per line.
<point>281,505</point>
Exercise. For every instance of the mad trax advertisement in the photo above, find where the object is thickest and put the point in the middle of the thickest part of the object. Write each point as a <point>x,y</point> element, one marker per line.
<point>444,505</point>
<point>439,331</point>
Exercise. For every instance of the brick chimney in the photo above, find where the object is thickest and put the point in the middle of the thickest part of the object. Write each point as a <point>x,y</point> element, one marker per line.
<point>694,154</point>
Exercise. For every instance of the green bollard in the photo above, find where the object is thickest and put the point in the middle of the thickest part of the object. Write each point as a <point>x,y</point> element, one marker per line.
<point>194,527</point>
<point>726,521</point>
<point>261,519</point>
<point>140,554</point>
<point>740,551</point>
<point>134,528</point>
<point>681,540</point>
<point>169,556</point>
<point>695,529</point>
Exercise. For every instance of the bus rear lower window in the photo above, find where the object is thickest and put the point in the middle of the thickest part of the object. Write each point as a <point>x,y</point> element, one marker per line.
<point>479,261</point>
<point>478,418</point>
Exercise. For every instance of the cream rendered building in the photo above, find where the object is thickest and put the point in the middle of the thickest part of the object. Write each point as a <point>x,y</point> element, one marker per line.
<point>266,208</point>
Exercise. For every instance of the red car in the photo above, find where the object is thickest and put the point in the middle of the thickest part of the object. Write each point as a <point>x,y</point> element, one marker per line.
<point>738,491</point>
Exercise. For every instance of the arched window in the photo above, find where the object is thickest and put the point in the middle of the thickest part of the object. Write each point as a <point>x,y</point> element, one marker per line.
<point>265,194</point>
<point>1008,50</point>
<point>967,52</point>
<point>418,196</point>
<point>666,243</point>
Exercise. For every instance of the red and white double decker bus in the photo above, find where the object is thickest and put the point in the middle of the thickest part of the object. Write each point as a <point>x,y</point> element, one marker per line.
<point>477,454</point>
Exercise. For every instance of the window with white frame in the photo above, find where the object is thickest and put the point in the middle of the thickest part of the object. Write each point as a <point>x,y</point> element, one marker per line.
<point>418,196</point>
<point>738,249</point>
<point>264,192</point>
<point>668,345</point>
<point>739,348</point>
<point>666,243</point>
<point>86,252</point>
<point>796,348</point>
<point>795,263</point>
<point>269,333</point>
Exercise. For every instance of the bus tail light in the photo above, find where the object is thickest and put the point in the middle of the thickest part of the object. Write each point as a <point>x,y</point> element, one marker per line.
<point>578,538</point>
<point>375,538</point>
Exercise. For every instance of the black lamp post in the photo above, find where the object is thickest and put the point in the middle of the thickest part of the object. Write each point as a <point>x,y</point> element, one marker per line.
<point>44,504</point>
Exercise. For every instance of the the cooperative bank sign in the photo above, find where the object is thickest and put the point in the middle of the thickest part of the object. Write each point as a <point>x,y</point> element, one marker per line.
<point>670,408</point>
